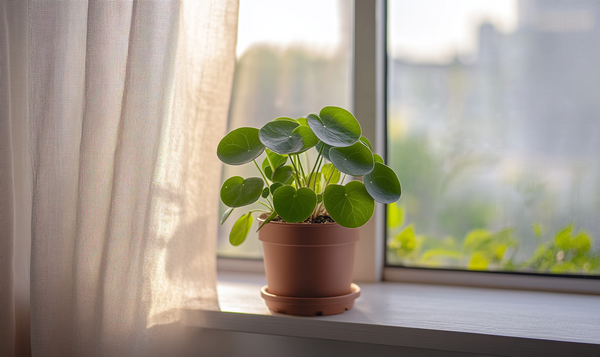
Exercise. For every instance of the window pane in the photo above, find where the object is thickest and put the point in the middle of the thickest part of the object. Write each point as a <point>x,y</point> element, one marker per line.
<point>494,129</point>
<point>293,59</point>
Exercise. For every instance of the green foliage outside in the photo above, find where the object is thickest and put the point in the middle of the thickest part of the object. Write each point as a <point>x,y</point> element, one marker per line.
<point>567,251</point>
<point>449,217</point>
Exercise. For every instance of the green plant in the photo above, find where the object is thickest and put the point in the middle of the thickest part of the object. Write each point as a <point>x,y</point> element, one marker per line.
<point>301,191</point>
<point>567,251</point>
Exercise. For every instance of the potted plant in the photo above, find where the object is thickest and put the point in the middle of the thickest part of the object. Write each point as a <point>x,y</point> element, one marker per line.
<point>308,224</point>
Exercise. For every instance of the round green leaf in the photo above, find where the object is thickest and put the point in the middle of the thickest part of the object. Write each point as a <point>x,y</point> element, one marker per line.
<point>275,186</point>
<point>294,206</point>
<point>335,126</point>
<point>330,173</point>
<point>240,146</point>
<point>378,158</point>
<point>267,220</point>
<point>240,229</point>
<point>268,172</point>
<point>383,184</point>
<point>278,136</point>
<point>364,140</point>
<point>284,174</point>
<point>325,151</point>
<point>309,139</point>
<point>265,163</point>
<point>274,159</point>
<point>355,160</point>
<point>265,192</point>
<point>350,206</point>
<point>237,192</point>
<point>266,167</point>
<point>226,215</point>
<point>302,121</point>
<point>285,119</point>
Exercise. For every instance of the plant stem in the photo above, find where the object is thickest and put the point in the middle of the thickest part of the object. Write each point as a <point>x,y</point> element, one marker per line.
<point>314,167</point>
<point>266,182</point>
<point>270,206</point>
<point>343,178</point>
<point>318,209</point>
<point>318,169</point>
<point>307,158</point>
<point>297,172</point>
<point>328,180</point>
<point>261,173</point>
<point>258,210</point>
<point>299,163</point>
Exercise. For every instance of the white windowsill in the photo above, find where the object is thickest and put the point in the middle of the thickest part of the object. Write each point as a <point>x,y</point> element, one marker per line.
<point>444,318</point>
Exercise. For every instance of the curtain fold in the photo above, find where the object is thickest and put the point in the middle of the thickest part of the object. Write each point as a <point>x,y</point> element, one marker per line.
<point>15,182</point>
<point>124,104</point>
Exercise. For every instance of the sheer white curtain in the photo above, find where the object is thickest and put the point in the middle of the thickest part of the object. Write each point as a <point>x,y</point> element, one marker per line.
<point>110,113</point>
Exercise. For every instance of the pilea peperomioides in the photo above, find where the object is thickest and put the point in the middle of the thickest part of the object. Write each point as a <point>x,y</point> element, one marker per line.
<point>297,192</point>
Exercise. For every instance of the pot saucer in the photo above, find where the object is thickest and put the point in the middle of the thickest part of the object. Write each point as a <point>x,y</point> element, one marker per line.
<point>319,306</point>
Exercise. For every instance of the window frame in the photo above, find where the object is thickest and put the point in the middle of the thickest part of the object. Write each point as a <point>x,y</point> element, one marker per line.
<point>369,93</point>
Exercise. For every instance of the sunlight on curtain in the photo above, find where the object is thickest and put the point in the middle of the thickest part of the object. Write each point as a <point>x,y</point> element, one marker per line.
<point>188,177</point>
<point>123,105</point>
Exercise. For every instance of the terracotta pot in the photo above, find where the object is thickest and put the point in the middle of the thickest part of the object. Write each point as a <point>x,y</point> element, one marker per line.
<point>309,261</point>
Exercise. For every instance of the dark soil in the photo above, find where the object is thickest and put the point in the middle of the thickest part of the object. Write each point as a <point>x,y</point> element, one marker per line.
<point>318,219</point>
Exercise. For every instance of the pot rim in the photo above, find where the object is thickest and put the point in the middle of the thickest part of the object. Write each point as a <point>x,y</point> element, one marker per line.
<point>307,234</point>
<point>263,217</point>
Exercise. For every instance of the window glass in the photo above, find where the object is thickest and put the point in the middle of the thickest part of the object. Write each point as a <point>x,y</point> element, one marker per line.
<point>292,59</point>
<point>494,128</point>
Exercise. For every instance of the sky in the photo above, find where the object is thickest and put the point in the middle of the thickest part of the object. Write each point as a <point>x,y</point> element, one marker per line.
<point>314,23</point>
<point>425,30</point>
<point>434,30</point>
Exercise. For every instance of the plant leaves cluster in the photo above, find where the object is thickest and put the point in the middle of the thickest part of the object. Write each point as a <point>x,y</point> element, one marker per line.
<point>567,251</point>
<point>294,189</point>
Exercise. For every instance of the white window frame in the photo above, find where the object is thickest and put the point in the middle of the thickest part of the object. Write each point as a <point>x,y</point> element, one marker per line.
<point>369,73</point>
<point>369,105</point>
